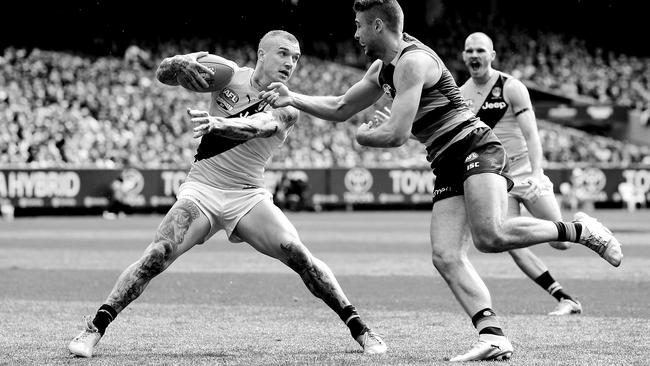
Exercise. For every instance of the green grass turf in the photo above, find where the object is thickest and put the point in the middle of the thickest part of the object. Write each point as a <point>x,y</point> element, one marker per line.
<point>223,303</point>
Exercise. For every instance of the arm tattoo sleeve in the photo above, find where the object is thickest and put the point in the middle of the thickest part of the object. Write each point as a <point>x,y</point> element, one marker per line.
<point>286,115</point>
<point>169,68</point>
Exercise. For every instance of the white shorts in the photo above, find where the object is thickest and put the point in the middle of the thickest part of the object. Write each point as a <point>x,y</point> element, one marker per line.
<point>520,170</point>
<point>223,207</point>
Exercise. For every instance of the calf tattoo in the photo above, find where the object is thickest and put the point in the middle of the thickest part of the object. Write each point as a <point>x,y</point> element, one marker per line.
<point>156,258</point>
<point>316,275</point>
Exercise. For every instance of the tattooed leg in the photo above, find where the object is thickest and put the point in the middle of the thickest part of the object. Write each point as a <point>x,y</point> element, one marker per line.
<point>269,231</point>
<point>169,243</point>
<point>316,275</point>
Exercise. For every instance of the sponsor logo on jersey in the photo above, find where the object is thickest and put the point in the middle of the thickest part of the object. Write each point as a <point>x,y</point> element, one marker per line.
<point>227,99</point>
<point>223,104</point>
<point>230,96</point>
<point>468,103</point>
<point>496,92</point>
<point>495,105</point>
<point>471,157</point>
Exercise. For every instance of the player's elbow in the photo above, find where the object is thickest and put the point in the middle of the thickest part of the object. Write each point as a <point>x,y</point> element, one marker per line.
<point>339,118</point>
<point>398,140</point>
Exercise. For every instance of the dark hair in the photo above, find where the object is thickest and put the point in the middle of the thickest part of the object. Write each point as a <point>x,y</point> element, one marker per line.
<point>387,10</point>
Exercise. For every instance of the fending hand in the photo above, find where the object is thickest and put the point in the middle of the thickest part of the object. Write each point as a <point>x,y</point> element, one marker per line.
<point>379,117</point>
<point>202,121</point>
<point>277,95</point>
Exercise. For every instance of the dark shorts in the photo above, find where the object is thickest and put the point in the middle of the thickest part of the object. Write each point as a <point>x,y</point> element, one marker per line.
<point>479,152</point>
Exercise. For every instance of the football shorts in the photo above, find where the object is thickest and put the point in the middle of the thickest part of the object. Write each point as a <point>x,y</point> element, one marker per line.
<point>223,207</point>
<point>478,152</point>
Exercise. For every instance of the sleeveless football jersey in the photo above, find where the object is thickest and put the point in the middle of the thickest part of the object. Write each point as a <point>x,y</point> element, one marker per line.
<point>232,164</point>
<point>489,104</point>
<point>442,117</point>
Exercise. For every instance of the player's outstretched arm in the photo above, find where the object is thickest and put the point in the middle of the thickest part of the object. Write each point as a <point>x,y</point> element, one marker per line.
<point>517,95</point>
<point>332,108</point>
<point>183,66</point>
<point>395,129</point>
<point>263,124</point>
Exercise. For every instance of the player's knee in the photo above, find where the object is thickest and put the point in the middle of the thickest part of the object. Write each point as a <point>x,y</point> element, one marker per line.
<point>489,241</point>
<point>296,255</point>
<point>445,259</point>
<point>156,258</point>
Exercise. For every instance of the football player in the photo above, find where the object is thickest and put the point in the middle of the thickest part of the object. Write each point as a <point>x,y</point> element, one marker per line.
<point>503,103</point>
<point>224,190</point>
<point>470,164</point>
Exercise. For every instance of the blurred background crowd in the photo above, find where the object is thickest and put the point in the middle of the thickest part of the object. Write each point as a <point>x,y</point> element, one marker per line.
<point>77,108</point>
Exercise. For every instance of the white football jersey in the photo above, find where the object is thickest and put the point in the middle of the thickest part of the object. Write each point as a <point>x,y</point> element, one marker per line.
<point>490,105</point>
<point>232,164</point>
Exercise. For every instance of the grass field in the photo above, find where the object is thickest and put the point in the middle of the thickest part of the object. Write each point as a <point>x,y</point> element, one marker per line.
<point>223,303</point>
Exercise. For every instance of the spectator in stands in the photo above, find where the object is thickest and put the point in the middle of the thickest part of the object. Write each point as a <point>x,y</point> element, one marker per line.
<point>68,110</point>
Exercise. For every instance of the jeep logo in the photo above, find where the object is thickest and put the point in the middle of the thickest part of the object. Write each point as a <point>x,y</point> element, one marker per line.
<point>496,105</point>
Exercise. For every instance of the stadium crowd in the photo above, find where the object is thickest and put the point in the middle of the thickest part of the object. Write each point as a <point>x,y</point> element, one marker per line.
<point>72,110</point>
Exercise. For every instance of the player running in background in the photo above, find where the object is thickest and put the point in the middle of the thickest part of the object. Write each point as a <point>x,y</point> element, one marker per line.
<point>503,103</point>
<point>470,164</point>
<point>224,190</point>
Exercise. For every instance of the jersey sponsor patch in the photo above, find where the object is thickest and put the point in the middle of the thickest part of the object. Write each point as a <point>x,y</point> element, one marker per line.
<point>223,104</point>
<point>227,99</point>
<point>471,157</point>
<point>494,107</point>
<point>229,95</point>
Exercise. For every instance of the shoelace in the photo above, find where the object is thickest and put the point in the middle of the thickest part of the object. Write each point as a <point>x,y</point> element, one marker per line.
<point>597,243</point>
<point>478,344</point>
<point>370,335</point>
<point>373,336</point>
<point>88,326</point>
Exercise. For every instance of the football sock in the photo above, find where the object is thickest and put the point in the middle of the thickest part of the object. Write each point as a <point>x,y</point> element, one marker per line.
<point>105,315</point>
<point>352,319</point>
<point>486,322</point>
<point>568,231</point>
<point>548,283</point>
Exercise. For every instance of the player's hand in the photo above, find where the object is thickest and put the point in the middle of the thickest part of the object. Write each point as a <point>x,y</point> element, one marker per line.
<point>379,117</point>
<point>230,128</point>
<point>364,129</point>
<point>534,190</point>
<point>189,70</point>
<point>202,121</point>
<point>277,95</point>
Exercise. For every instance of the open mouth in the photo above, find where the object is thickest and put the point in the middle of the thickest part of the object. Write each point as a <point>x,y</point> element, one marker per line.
<point>285,73</point>
<point>474,65</point>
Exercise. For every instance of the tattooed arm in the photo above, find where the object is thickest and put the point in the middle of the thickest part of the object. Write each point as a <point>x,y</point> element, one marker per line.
<point>184,66</point>
<point>263,124</point>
